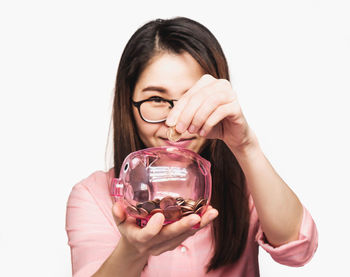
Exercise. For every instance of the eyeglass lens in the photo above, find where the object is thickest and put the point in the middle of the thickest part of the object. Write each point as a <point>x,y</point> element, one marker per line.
<point>155,110</point>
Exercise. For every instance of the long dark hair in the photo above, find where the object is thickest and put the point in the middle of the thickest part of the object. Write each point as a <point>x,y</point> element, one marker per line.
<point>229,195</point>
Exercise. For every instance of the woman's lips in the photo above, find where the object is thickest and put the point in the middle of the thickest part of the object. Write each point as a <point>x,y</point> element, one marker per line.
<point>180,143</point>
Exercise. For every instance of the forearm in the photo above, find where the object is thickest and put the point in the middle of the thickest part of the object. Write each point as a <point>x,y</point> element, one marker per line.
<point>122,262</point>
<point>280,211</point>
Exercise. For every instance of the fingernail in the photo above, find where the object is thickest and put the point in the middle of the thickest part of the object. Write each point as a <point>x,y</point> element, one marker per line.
<point>170,121</point>
<point>212,216</point>
<point>158,218</point>
<point>192,129</point>
<point>202,133</point>
<point>193,221</point>
<point>180,127</point>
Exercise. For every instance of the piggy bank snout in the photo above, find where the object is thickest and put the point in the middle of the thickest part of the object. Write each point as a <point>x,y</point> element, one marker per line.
<point>117,188</point>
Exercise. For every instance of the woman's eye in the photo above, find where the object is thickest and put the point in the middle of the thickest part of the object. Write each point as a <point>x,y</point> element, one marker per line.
<point>157,99</point>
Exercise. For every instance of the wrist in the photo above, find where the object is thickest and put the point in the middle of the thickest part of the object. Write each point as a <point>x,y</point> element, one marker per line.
<point>247,147</point>
<point>131,255</point>
<point>130,252</point>
<point>125,260</point>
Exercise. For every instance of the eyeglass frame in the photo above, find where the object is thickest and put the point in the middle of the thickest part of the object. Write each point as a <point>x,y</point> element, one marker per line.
<point>138,104</point>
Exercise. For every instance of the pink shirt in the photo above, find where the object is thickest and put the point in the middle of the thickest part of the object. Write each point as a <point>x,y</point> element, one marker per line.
<point>93,235</point>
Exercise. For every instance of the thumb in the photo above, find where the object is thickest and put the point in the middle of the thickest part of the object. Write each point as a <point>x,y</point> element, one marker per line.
<point>153,226</point>
<point>118,213</point>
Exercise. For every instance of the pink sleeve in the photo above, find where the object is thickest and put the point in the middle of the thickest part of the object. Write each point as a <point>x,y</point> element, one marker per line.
<point>91,235</point>
<point>295,253</point>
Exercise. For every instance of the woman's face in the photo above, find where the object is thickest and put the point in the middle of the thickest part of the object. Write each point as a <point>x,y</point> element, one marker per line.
<point>169,76</point>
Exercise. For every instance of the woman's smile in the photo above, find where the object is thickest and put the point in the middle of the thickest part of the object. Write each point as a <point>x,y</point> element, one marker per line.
<point>182,142</point>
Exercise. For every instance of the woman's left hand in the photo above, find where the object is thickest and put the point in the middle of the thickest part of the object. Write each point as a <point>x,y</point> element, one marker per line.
<point>211,109</point>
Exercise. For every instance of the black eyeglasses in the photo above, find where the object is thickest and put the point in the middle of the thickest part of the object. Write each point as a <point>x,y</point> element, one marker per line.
<point>154,109</point>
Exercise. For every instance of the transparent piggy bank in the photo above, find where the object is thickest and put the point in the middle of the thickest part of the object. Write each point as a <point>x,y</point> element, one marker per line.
<point>170,180</point>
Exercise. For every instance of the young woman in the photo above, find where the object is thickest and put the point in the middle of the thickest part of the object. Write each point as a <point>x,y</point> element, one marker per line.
<point>179,62</point>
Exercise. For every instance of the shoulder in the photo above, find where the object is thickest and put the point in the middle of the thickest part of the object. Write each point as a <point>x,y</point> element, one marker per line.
<point>95,178</point>
<point>93,189</point>
<point>97,183</point>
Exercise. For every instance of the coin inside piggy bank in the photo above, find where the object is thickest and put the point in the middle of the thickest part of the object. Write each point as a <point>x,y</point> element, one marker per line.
<point>169,180</point>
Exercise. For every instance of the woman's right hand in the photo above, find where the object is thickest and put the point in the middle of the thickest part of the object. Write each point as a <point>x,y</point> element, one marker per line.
<point>137,244</point>
<point>154,238</point>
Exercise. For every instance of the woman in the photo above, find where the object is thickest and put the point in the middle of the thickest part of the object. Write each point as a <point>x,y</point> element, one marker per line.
<point>179,62</point>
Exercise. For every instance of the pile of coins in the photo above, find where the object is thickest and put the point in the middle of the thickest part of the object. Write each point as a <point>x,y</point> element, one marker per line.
<point>172,208</point>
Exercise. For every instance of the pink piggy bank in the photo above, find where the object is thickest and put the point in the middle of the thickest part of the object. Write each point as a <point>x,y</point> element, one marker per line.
<point>170,180</point>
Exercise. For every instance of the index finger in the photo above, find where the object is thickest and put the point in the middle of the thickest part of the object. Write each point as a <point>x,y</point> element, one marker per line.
<point>181,104</point>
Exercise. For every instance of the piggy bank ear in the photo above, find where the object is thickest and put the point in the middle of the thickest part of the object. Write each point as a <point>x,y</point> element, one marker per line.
<point>138,170</point>
<point>145,160</point>
<point>138,174</point>
<point>150,160</point>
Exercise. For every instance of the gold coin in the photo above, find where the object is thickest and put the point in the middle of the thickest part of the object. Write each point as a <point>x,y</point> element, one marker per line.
<point>172,134</point>
<point>200,202</point>
<point>187,213</point>
<point>149,206</point>
<point>156,201</point>
<point>186,208</point>
<point>180,202</point>
<point>190,202</point>
<point>156,211</point>
<point>143,212</point>
<point>199,210</point>
<point>167,201</point>
<point>131,210</point>
<point>172,213</point>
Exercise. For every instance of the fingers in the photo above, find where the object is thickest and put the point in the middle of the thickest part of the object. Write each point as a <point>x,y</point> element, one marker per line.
<point>204,101</point>
<point>159,233</point>
<point>208,216</point>
<point>154,233</point>
<point>152,228</point>
<point>155,238</point>
<point>125,223</point>
<point>118,213</point>
<point>213,102</point>
<point>170,244</point>
<point>183,225</point>
<point>173,234</point>
<point>175,113</point>
<point>209,96</point>
<point>177,228</point>
<point>221,112</point>
<point>175,241</point>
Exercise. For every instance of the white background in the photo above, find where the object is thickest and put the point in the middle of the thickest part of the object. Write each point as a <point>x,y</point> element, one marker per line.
<point>290,65</point>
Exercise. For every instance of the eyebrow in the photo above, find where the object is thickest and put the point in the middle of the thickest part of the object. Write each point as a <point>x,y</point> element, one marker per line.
<point>155,88</point>
<point>159,89</point>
